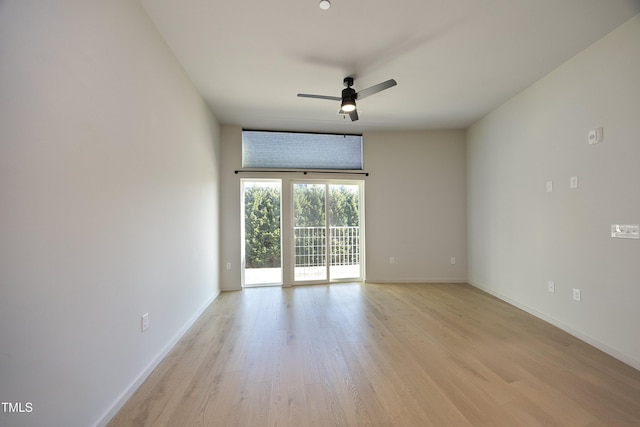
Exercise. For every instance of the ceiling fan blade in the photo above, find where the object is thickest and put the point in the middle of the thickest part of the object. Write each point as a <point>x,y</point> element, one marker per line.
<point>354,115</point>
<point>330,98</point>
<point>375,89</point>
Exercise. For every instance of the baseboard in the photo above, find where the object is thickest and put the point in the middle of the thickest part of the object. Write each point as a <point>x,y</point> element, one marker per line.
<point>128,392</point>
<point>555,322</point>
<point>415,281</point>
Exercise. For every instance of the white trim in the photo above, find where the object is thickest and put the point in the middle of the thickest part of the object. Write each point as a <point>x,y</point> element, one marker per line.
<point>555,322</point>
<point>413,281</point>
<point>128,392</point>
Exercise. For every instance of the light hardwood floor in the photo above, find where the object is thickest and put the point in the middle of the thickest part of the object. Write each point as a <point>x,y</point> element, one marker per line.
<point>381,355</point>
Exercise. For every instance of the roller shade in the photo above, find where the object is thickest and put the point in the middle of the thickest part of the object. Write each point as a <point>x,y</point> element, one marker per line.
<point>289,150</point>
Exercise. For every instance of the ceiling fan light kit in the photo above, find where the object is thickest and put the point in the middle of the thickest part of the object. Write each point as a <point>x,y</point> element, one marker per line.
<point>325,4</point>
<point>349,96</point>
<point>348,105</point>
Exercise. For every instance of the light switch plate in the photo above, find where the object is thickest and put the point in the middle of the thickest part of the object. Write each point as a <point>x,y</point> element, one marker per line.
<point>144,322</point>
<point>573,182</point>
<point>577,295</point>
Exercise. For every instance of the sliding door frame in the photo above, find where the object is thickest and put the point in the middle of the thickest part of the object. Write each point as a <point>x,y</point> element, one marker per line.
<point>327,183</point>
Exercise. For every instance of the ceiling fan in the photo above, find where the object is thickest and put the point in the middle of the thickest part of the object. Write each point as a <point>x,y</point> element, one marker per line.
<point>349,96</point>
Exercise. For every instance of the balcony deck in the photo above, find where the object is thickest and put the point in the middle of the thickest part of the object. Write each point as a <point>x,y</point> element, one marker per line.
<point>273,276</point>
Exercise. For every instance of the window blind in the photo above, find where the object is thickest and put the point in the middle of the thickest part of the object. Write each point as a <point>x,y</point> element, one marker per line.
<point>289,150</point>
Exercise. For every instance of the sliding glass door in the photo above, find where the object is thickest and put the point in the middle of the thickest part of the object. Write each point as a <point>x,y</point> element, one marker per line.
<point>327,231</point>
<point>345,231</point>
<point>261,237</point>
<point>310,232</point>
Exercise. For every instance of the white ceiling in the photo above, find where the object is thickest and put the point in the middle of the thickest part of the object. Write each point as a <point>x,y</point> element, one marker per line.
<point>454,60</point>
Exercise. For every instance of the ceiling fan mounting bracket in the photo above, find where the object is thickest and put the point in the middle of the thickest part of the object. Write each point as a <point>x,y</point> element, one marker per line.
<point>348,81</point>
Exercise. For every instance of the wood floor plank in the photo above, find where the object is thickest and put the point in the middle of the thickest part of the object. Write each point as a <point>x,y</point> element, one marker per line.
<point>380,355</point>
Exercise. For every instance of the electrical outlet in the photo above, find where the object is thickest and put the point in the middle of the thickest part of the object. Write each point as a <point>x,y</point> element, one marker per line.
<point>577,295</point>
<point>453,260</point>
<point>551,286</point>
<point>549,186</point>
<point>228,266</point>
<point>595,136</point>
<point>144,321</point>
<point>625,231</point>
<point>392,260</point>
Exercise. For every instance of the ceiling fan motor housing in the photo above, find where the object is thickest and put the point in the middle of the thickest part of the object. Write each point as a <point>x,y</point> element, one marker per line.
<point>349,93</point>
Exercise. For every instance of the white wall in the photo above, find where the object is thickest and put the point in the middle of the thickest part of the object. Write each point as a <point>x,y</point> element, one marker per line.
<point>521,237</point>
<point>416,206</point>
<point>231,155</point>
<point>109,201</point>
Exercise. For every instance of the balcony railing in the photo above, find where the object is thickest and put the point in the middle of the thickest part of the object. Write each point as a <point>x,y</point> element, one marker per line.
<point>310,258</point>
<point>310,243</point>
<point>310,253</point>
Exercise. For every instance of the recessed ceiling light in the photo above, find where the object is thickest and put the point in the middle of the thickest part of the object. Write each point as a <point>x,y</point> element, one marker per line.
<point>325,4</point>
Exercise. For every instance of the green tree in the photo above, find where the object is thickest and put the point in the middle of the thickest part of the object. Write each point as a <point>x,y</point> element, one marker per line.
<point>343,207</point>
<point>262,222</point>
<point>262,227</point>
<point>309,205</point>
